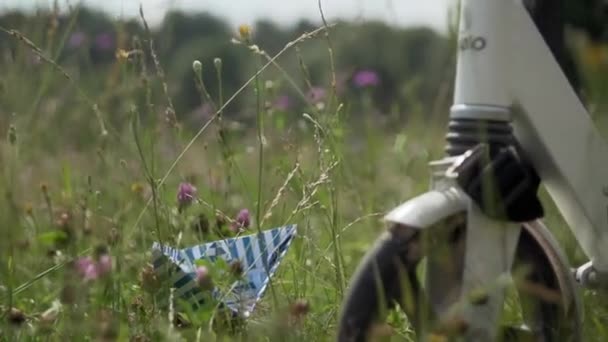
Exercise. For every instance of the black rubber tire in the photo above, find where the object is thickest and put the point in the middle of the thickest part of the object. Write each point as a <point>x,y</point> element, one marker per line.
<point>397,253</point>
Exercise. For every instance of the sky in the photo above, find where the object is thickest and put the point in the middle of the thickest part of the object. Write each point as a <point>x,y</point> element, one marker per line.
<point>396,12</point>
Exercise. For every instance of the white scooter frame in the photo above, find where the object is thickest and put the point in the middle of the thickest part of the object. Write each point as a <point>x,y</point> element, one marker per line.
<point>506,72</point>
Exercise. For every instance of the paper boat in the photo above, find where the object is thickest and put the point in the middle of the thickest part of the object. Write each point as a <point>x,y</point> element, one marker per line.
<point>259,255</point>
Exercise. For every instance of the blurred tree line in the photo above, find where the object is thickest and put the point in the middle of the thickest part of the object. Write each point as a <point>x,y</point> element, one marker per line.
<point>398,55</point>
<point>413,66</point>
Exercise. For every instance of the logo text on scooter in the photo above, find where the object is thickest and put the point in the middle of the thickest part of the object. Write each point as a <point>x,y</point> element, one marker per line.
<point>470,42</point>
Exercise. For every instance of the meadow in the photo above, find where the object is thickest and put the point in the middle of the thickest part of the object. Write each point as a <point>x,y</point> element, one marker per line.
<point>111,143</point>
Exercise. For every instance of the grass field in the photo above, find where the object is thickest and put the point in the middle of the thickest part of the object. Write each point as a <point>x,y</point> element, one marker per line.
<point>93,171</point>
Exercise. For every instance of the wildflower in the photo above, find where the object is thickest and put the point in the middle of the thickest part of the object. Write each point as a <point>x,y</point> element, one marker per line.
<point>245,32</point>
<point>16,316</point>
<point>366,78</point>
<point>122,55</point>
<point>282,103</point>
<point>86,268</point>
<point>64,220</point>
<point>185,195</point>
<point>137,188</point>
<point>243,220</point>
<point>90,269</point>
<point>299,308</point>
<point>203,277</point>
<point>77,39</point>
<point>316,95</point>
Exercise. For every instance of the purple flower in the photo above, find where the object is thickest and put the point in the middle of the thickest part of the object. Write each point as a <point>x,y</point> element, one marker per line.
<point>282,103</point>
<point>86,268</point>
<point>90,269</point>
<point>203,277</point>
<point>316,94</point>
<point>366,78</point>
<point>186,193</point>
<point>243,220</point>
<point>77,39</point>
<point>104,41</point>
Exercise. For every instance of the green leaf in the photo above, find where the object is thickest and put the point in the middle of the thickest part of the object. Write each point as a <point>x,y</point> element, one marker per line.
<point>51,238</point>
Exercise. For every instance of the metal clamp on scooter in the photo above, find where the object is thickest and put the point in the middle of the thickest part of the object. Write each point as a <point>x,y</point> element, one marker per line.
<point>500,182</point>
<point>589,277</point>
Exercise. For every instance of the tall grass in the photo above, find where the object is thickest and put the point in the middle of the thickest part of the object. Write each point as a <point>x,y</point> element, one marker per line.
<point>331,174</point>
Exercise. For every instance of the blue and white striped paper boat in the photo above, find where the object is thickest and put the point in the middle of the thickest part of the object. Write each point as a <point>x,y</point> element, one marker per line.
<point>259,255</point>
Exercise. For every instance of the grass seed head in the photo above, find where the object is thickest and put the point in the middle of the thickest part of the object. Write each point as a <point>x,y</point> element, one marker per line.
<point>245,32</point>
<point>149,279</point>
<point>197,67</point>
<point>16,316</point>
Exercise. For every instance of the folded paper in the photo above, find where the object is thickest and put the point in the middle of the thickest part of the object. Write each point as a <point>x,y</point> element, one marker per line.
<point>259,255</point>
